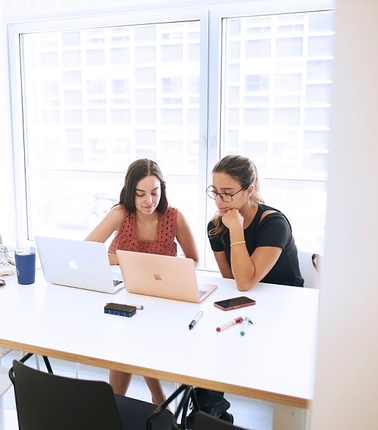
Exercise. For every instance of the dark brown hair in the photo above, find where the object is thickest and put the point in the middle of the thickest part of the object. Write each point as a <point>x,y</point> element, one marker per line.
<point>243,170</point>
<point>138,170</point>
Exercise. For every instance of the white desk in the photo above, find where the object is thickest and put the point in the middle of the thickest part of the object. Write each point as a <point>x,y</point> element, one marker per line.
<point>275,361</point>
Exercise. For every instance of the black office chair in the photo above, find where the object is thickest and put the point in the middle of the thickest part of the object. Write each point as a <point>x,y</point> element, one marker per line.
<point>48,401</point>
<point>204,421</point>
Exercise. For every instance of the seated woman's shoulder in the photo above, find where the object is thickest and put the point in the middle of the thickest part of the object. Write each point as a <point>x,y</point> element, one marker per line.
<point>117,211</point>
<point>118,207</point>
<point>267,210</point>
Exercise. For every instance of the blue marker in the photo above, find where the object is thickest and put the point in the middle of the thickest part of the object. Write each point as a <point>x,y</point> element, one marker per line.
<point>246,322</point>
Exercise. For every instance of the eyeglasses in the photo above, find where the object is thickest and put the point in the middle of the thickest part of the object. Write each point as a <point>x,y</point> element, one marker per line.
<point>225,197</point>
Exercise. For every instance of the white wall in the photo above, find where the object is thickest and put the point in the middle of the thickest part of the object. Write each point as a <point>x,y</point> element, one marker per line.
<point>346,394</point>
<point>19,10</point>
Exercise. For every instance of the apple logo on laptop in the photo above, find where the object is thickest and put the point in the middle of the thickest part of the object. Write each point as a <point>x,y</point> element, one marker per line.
<point>157,276</point>
<point>73,265</point>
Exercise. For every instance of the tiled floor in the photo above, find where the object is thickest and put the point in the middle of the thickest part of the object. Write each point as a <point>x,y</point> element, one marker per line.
<point>248,413</point>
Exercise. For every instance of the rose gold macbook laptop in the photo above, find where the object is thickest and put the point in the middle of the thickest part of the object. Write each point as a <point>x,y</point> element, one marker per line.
<point>162,276</point>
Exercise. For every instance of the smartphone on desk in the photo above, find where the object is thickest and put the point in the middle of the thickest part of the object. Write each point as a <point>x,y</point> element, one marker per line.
<point>234,303</point>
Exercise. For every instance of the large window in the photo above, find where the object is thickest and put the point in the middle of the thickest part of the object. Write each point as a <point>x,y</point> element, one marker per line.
<point>94,98</point>
<point>275,108</point>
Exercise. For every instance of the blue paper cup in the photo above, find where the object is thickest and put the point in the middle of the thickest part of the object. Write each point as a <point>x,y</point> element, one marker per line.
<point>25,266</point>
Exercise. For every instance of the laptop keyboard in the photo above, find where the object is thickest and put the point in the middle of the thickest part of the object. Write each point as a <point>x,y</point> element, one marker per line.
<point>202,292</point>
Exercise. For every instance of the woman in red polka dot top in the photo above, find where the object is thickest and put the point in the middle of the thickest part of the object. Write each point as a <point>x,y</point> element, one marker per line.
<point>143,221</point>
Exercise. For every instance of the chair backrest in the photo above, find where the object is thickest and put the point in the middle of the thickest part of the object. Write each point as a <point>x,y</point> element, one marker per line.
<point>204,421</point>
<point>309,271</point>
<point>47,401</point>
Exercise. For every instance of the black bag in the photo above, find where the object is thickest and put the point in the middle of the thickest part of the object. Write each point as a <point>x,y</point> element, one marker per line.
<point>181,414</point>
<point>211,402</point>
<point>194,399</point>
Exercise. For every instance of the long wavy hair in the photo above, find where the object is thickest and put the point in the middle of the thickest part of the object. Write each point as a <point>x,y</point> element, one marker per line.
<point>243,170</point>
<point>138,170</point>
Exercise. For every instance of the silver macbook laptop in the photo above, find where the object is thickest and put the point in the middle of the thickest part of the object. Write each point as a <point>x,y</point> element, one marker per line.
<point>162,276</point>
<point>77,263</point>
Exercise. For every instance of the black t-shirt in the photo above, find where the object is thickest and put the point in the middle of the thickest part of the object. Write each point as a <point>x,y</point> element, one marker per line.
<point>273,230</point>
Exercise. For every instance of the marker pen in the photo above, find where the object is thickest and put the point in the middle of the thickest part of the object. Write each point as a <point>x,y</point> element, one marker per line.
<point>139,307</point>
<point>246,322</point>
<point>195,320</point>
<point>237,320</point>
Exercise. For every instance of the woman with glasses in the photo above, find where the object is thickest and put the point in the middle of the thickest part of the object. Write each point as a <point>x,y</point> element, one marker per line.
<point>143,221</point>
<point>251,242</point>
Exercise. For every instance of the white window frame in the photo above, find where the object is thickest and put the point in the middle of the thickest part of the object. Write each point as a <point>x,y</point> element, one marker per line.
<point>211,18</point>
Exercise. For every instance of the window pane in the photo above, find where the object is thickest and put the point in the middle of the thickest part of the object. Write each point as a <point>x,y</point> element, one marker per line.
<point>277,77</point>
<point>97,99</point>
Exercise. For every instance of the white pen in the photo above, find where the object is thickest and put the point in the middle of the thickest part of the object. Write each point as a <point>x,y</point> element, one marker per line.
<point>237,320</point>
<point>139,307</point>
<point>246,323</point>
<point>195,320</point>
